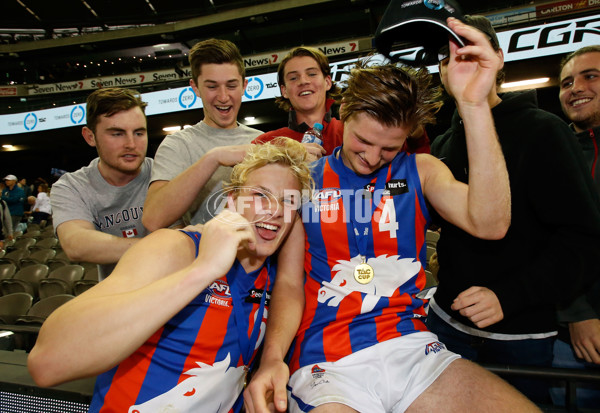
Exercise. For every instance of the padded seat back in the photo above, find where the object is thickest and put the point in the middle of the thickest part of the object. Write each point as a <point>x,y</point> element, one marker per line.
<point>25,280</point>
<point>61,280</point>
<point>13,306</point>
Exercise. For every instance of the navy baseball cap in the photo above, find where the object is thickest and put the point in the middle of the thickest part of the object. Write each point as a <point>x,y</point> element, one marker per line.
<point>418,22</point>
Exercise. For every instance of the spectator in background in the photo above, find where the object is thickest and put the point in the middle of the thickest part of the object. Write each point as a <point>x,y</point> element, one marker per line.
<point>186,172</point>
<point>97,210</point>
<point>40,209</point>
<point>578,344</point>
<point>6,228</point>
<point>14,196</point>
<point>496,300</point>
<point>27,189</point>
<point>308,94</point>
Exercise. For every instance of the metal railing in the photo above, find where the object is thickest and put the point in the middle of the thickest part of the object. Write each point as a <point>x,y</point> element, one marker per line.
<point>572,377</point>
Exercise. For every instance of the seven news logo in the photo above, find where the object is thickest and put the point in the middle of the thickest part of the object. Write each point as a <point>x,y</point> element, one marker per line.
<point>254,89</point>
<point>187,98</point>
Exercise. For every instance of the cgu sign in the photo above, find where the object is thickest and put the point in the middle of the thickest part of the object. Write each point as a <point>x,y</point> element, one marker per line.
<point>555,38</point>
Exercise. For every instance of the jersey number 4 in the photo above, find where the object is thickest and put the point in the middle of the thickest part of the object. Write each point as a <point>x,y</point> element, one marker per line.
<point>387,220</point>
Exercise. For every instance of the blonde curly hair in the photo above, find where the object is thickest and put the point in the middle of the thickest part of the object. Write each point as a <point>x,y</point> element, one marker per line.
<point>281,150</point>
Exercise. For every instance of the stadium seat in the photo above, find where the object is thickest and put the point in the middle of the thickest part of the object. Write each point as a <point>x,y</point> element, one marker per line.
<point>32,234</point>
<point>25,280</point>
<point>7,270</point>
<point>61,280</point>
<point>23,243</point>
<point>430,251</point>
<point>14,257</point>
<point>50,242</point>
<point>38,313</point>
<point>89,279</point>
<point>12,306</point>
<point>431,238</point>
<point>38,257</point>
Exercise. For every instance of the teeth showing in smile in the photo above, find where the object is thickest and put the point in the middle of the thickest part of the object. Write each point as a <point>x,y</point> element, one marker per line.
<point>223,107</point>
<point>266,226</point>
<point>580,101</point>
<point>308,92</point>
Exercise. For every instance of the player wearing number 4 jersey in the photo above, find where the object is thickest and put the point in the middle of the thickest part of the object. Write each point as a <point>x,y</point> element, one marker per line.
<point>359,340</point>
<point>380,207</point>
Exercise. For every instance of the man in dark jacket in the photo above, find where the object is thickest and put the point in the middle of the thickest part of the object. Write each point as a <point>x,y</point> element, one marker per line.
<point>578,346</point>
<point>496,300</point>
<point>14,196</point>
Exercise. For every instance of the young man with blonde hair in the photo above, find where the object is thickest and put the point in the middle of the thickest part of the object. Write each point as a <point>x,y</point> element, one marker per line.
<point>180,320</point>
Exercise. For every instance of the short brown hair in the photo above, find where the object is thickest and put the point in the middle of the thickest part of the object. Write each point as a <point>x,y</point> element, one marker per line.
<point>216,51</point>
<point>322,61</point>
<point>109,101</point>
<point>394,95</point>
<point>578,52</point>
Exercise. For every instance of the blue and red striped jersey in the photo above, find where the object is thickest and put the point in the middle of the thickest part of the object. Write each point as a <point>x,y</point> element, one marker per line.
<point>195,362</point>
<point>379,219</point>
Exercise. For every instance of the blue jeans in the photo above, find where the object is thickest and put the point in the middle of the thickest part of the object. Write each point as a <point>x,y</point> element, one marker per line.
<point>530,352</point>
<point>588,394</point>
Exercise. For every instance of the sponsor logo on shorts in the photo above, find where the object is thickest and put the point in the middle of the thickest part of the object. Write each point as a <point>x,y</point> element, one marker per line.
<point>434,347</point>
<point>317,372</point>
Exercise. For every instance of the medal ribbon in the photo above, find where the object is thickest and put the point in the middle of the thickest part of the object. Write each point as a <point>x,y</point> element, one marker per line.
<point>359,227</point>
<point>240,317</point>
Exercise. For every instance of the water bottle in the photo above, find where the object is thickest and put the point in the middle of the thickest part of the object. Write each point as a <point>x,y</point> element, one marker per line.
<point>313,135</point>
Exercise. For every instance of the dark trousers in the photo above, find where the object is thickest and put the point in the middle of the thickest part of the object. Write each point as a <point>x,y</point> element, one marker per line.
<point>530,352</point>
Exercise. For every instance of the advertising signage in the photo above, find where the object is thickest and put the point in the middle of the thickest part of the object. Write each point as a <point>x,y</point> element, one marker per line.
<point>519,44</point>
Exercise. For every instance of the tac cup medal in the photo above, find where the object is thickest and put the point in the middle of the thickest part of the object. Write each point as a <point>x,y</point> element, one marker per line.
<point>363,273</point>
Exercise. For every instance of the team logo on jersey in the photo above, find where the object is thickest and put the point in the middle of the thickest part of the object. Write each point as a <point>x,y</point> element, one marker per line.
<point>396,187</point>
<point>327,195</point>
<point>434,347</point>
<point>218,294</point>
<point>194,392</point>
<point>391,272</point>
<point>317,372</point>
